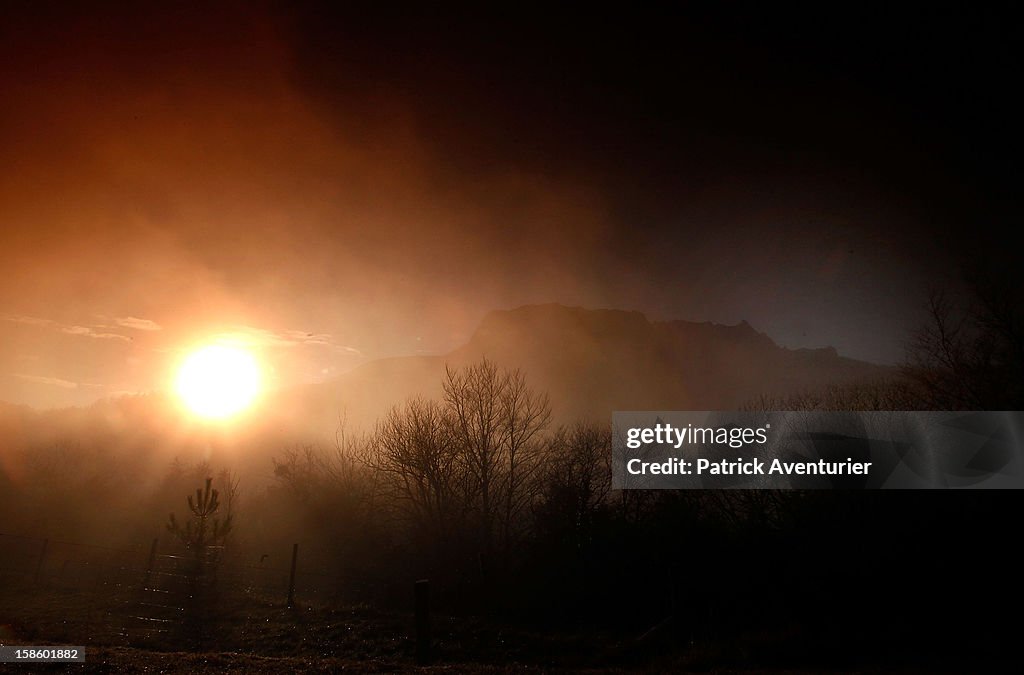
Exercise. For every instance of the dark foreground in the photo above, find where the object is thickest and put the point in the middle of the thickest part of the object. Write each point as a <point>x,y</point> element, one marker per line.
<point>119,660</point>
<point>253,635</point>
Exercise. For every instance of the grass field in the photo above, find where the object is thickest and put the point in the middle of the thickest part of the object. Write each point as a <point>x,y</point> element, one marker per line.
<point>253,635</point>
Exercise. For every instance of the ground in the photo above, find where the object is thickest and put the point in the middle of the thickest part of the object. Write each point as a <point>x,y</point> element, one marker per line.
<point>258,635</point>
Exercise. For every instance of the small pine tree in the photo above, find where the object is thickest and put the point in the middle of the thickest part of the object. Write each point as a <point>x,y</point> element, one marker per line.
<point>203,529</point>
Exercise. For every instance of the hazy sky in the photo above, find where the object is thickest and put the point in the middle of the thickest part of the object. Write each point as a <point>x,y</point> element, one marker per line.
<point>337,186</point>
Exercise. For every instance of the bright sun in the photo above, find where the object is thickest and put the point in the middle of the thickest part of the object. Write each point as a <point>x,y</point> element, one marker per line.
<point>218,381</point>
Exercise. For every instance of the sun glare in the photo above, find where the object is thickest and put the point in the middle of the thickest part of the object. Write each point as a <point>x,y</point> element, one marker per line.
<point>218,381</point>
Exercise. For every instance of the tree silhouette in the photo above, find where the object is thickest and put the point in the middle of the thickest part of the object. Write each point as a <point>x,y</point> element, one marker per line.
<point>203,529</point>
<point>970,354</point>
<point>420,468</point>
<point>465,468</point>
<point>497,422</point>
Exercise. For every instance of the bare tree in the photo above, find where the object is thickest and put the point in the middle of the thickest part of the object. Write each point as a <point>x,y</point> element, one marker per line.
<point>228,481</point>
<point>465,469</point>
<point>893,393</point>
<point>525,414</point>
<point>472,395</point>
<point>421,473</point>
<point>970,354</point>
<point>497,421</point>
<point>577,479</point>
<point>300,471</point>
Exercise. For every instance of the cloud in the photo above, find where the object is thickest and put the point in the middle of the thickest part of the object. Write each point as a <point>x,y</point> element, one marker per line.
<point>109,336</point>
<point>299,337</point>
<point>28,320</point>
<point>69,329</point>
<point>89,332</point>
<point>262,337</point>
<point>54,381</point>
<point>137,323</point>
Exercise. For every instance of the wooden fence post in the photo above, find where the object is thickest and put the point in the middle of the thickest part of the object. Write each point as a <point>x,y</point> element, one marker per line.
<point>422,588</point>
<point>291,579</point>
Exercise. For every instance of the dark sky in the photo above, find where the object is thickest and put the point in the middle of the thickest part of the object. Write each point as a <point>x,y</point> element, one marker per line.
<point>339,184</point>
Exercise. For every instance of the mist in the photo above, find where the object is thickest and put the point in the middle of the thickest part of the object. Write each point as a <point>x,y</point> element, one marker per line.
<point>229,171</point>
<point>446,247</point>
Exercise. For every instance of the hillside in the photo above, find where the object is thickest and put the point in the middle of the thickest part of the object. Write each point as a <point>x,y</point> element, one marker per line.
<point>595,361</point>
<point>591,362</point>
